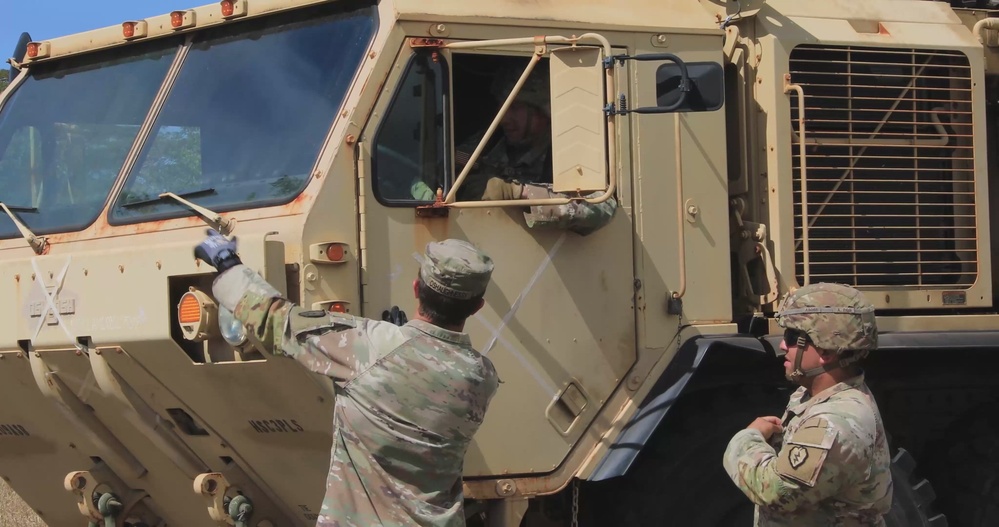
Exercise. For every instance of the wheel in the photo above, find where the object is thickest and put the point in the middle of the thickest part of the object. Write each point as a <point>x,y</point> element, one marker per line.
<point>912,497</point>
<point>967,470</point>
<point>680,468</point>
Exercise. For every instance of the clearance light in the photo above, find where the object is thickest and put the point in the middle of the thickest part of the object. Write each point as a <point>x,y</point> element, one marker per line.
<point>332,306</point>
<point>196,314</point>
<point>233,8</point>
<point>182,19</point>
<point>335,252</point>
<point>37,50</point>
<point>328,252</point>
<point>134,29</point>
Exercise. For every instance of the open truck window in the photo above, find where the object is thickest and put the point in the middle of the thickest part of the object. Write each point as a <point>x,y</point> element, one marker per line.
<point>411,159</point>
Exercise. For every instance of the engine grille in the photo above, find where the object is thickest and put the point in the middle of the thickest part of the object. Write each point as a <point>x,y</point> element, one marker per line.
<point>889,166</point>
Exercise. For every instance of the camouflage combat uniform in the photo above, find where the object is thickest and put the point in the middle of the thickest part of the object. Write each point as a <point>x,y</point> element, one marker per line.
<point>408,399</point>
<point>503,163</point>
<point>832,468</point>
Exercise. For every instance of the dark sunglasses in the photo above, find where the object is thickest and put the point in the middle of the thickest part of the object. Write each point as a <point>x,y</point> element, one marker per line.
<point>791,337</point>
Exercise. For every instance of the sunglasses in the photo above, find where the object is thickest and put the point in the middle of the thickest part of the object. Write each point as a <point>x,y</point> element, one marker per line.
<point>791,337</point>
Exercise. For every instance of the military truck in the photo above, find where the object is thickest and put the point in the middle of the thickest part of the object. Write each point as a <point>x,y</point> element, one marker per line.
<point>750,147</point>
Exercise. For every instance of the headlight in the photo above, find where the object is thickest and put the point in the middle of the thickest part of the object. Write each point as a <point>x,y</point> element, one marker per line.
<point>232,330</point>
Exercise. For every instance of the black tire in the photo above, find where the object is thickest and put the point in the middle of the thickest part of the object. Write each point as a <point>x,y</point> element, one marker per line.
<point>687,449</point>
<point>912,497</point>
<point>966,470</point>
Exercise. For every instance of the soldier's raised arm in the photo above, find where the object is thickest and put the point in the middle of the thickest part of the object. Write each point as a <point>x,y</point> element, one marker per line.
<point>332,344</point>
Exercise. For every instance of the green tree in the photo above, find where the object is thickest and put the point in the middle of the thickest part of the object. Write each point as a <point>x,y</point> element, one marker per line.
<point>4,78</point>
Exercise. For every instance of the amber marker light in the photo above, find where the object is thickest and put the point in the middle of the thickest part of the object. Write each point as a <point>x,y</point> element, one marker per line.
<point>182,19</point>
<point>189,311</point>
<point>37,50</point>
<point>196,313</point>
<point>233,8</point>
<point>133,29</point>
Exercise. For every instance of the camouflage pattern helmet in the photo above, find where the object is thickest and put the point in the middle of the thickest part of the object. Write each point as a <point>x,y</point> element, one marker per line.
<point>535,90</point>
<point>835,317</point>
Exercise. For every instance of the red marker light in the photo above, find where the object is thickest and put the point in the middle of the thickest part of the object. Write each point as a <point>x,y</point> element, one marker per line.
<point>227,8</point>
<point>33,48</point>
<point>177,18</point>
<point>334,252</point>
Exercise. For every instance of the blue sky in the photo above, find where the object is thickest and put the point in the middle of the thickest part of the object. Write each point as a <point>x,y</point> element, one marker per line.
<point>55,18</point>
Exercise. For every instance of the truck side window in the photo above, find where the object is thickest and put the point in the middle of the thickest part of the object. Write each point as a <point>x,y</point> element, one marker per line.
<point>411,148</point>
<point>519,151</point>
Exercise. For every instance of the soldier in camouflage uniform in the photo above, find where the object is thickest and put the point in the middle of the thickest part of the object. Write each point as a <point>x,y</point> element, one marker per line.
<point>408,398</point>
<point>829,464</point>
<point>519,166</point>
<point>523,152</point>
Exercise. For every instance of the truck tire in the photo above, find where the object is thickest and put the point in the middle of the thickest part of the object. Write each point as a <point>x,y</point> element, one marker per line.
<point>912,497</point>
<point>967,472</point>
<point>678,478</point>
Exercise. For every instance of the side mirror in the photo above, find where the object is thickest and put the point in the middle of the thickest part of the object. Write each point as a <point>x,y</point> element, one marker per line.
<point>19,51</point>
<point>706,81</point>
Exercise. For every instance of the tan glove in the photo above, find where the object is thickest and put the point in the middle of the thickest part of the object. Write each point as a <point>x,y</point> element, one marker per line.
<point>498,189</point>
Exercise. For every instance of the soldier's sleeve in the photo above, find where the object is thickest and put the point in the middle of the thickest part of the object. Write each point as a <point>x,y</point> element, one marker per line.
<point>801,474</point>
<point>332,344</point>
<point>580,217</point>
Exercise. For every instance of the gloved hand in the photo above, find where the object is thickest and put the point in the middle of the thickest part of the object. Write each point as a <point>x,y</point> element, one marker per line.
<point>498,189</point>
<point>395,316</point>
<point>421,191</point>
<point>218,251</point>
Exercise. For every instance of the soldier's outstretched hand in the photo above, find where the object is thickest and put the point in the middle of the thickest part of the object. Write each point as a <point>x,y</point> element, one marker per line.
<point>218,251</point>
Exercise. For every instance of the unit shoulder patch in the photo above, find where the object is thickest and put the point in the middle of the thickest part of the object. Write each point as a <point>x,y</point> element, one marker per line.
<point>806,450</point>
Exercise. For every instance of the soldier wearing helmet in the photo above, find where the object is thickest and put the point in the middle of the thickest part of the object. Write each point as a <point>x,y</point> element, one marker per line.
<point>519,165</point>
<point>826,461</point>
<point>523,152</point>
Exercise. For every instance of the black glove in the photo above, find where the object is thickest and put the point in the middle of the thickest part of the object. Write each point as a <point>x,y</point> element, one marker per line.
<point>395,316</point>
<point>218,251</point>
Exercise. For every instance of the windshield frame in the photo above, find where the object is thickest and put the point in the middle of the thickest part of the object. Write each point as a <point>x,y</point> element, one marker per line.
<point>269,25</point>
<point>166,49</point>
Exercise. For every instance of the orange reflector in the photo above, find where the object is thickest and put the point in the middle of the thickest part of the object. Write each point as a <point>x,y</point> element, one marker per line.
<point>177,18</point>
<point>189,310</point>
<point>227,8</point>
<point>128,29</point>
<point>338,307</point>
<point>33,48</point>
<point>334,252</point>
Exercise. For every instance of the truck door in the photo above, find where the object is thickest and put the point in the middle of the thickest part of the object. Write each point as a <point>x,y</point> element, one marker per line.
<point>559,318</point>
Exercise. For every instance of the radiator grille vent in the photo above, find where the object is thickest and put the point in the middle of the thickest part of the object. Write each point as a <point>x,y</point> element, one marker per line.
<point>889,166</point>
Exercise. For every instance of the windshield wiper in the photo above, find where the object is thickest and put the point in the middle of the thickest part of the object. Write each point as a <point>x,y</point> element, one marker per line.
<point>18,208</point>
<point>163,197</point>
<point>212,218</point>
<point>37,243</point>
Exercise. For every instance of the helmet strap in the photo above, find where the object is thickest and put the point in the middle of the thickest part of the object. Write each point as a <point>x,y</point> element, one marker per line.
<point>840,362</point>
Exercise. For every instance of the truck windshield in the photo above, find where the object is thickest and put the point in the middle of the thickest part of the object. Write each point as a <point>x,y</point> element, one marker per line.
<point>248,113</point>
<point>65,132</point>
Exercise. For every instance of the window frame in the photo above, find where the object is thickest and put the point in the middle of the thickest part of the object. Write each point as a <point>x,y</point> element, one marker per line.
<point>444,85</point>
